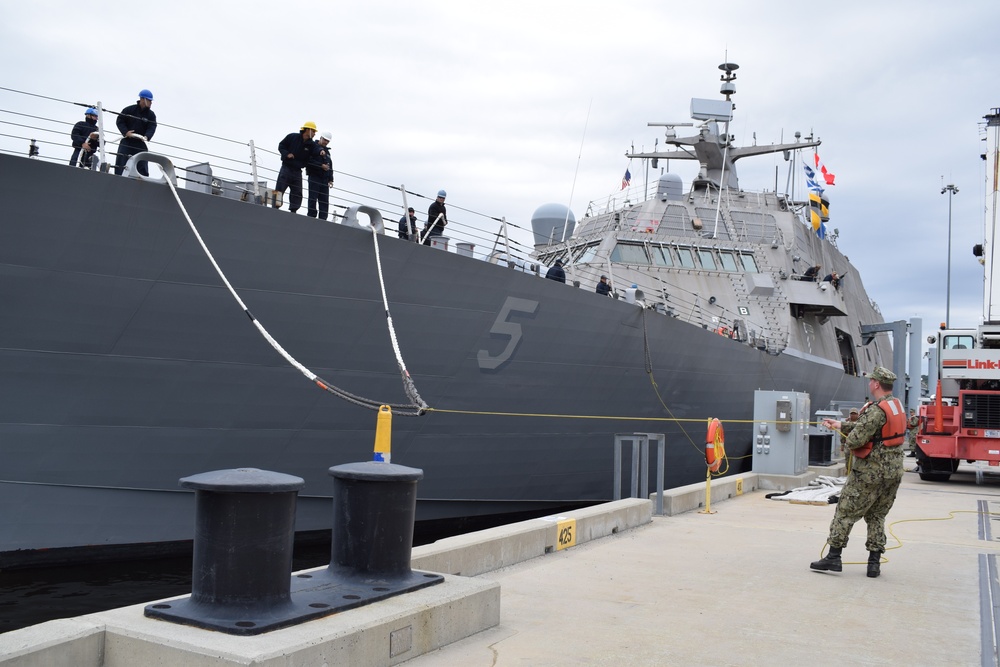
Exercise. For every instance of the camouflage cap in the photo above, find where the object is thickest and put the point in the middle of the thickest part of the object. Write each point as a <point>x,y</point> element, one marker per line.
<point>854,411</point>
<point>883,375</point>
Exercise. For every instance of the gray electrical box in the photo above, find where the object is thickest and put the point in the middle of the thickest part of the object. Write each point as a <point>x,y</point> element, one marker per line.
<point>824,444</point>
<point>780,432</point>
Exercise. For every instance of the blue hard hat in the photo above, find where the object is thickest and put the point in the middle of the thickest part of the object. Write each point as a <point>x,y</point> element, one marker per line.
<point>90,112</point>
<point>145,95</point>
<point>442,193</point>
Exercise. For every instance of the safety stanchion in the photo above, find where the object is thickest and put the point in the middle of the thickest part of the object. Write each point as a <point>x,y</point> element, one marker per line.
<point>383,435</point>
<point>715,451</point>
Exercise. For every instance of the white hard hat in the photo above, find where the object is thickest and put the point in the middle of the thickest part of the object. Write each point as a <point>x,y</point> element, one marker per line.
<point>327,135</point>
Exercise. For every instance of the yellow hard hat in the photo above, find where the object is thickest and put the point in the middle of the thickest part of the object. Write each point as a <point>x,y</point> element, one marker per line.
<point>309,125</point>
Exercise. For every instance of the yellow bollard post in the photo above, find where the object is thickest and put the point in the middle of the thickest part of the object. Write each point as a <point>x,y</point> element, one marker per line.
<point>383,435</point>
<point>708,494</point>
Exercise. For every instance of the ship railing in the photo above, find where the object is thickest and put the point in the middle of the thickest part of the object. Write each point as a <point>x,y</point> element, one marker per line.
<point>614,214</point>
<point>670,299</point>
<point>618,201</point>
<point>39,127</point>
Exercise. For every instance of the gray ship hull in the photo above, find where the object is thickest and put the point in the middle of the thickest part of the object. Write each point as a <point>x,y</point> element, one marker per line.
<point>125,365</point>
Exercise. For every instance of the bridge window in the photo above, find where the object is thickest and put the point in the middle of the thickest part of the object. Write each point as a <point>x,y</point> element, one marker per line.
<point>627,253</point>
<point>707,259</point>
<point>749,264</point>
<point>588,254</point>
<point>661,256</point>
<point>686,257</point>
<point>728,261</point>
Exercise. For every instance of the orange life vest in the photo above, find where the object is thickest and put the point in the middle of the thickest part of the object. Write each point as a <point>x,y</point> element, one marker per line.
<point>893,431</point>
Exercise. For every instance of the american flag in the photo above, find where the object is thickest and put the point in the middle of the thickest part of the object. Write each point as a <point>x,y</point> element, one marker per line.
<point>626,179</point>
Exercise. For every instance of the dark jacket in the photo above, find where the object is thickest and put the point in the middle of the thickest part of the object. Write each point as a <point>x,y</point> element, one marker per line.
<point>81,133</point>
<point>404,227</point>
<point>556,273</point>
<point>604,288</point>
<point>314,167</point>
<point>299,147</point>
<point>436,208</point>
<point>136,119</point>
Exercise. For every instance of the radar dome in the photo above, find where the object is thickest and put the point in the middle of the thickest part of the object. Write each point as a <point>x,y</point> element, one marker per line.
<point>670,186</point>
<point>547,223</point>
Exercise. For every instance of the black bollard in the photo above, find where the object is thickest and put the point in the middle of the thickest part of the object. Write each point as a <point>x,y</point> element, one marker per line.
<point>374,507</point>
<point>244,534</point>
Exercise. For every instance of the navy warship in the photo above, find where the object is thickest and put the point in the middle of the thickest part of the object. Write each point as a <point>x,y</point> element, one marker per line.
<point>127,364</point>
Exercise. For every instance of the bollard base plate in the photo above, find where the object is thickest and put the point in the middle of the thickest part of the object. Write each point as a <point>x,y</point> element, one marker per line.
<point>346,588</point>
<point>313,595</point>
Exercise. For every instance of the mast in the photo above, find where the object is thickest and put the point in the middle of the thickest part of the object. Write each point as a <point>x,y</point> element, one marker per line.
<point>991,309</point>
<point>712,147</point>
<point>728,89</point>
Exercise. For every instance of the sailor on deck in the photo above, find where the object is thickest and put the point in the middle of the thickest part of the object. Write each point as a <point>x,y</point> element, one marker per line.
<point>408,224</point>
<point>603,287</point>
<point>320,171</point>
<point>295,150</point>
<point>556,272</point>
<point>437,218</point>
<point>137,123</point>
<point>84,137</point>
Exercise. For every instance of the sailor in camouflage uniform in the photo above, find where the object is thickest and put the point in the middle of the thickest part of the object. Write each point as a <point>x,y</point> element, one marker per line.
<point>874,441</point>
<point>911,433</point>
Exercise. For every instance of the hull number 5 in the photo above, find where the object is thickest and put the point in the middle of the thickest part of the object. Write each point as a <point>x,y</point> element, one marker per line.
<point>512,330</point>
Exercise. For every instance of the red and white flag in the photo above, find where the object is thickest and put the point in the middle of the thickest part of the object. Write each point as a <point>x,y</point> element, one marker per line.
<point>828,176</point>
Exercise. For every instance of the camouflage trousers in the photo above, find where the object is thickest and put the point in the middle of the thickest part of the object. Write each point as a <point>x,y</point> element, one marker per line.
<point>869,495</point>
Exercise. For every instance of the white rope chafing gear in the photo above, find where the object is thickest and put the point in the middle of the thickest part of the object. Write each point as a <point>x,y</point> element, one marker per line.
<point>418,407</point>
<point>408,386</point>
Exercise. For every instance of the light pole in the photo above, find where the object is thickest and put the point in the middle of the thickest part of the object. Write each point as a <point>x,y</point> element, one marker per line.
<point>951,190</point>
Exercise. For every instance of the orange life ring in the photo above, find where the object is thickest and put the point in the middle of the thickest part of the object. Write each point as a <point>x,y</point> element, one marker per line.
<point>715,445</point>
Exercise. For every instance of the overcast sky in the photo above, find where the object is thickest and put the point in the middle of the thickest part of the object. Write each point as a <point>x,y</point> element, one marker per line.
<point>511,105</point>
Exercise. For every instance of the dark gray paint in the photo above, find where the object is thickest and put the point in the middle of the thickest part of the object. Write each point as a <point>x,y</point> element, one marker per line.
<point>125,365</point>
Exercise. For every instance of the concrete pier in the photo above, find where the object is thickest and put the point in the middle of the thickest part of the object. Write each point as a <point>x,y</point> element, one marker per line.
<point>614,585</point>
<point>735,588</point>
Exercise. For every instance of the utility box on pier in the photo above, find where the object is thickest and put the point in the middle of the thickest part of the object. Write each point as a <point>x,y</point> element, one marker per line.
<point>780,432</point>
<point>824,444</point>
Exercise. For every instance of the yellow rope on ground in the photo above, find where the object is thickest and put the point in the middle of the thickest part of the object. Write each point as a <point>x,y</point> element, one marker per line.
<point>899,542</point>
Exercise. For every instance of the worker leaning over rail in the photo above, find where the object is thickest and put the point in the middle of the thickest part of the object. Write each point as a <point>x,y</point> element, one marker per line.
<point>875,441</point>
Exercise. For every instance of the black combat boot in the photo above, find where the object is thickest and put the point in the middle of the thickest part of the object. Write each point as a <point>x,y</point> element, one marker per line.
<point>830,562</point>
<point>874,562</point>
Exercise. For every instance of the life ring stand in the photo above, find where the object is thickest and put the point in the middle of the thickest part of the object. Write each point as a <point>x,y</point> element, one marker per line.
<point>715,445</point>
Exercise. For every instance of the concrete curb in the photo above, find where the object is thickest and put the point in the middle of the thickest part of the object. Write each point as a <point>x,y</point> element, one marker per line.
<point>487,550</point>
<point>383,633</point>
